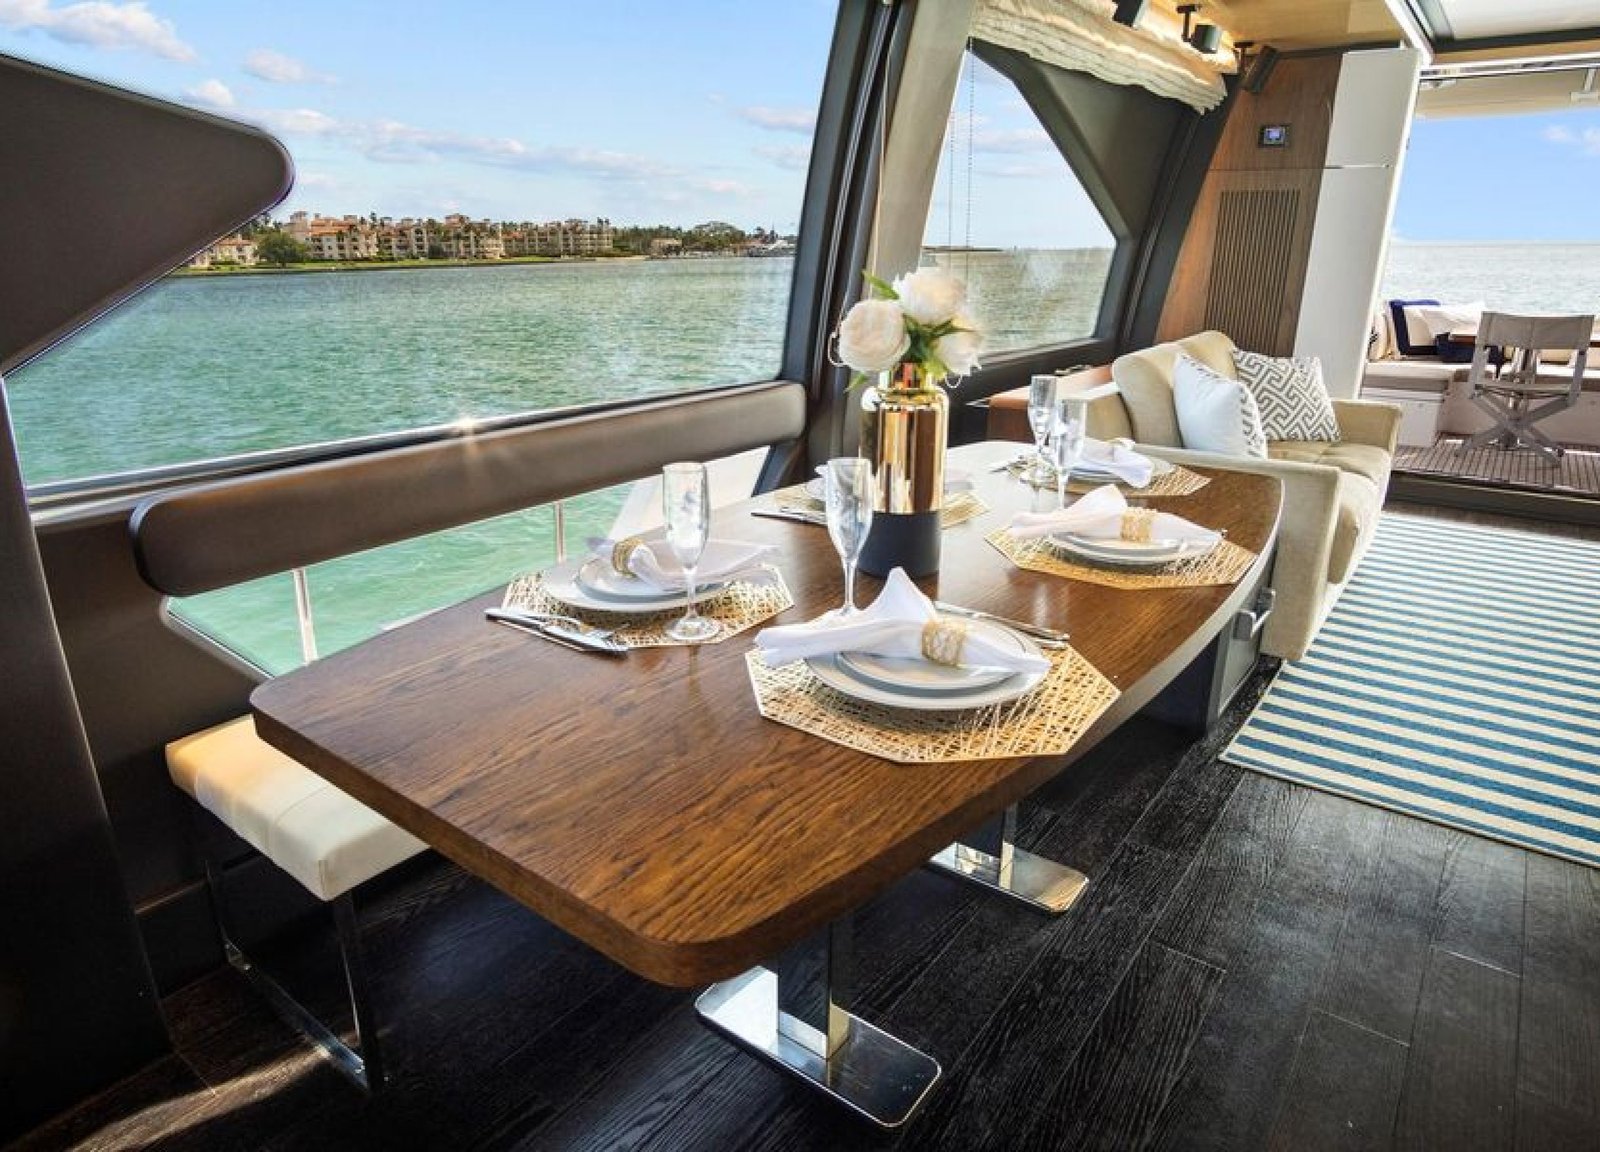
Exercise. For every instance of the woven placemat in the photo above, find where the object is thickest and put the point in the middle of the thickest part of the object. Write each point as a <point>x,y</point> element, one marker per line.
<point>738,607</point>
<point>1224,564</point>
<point>1045,722</point>
<point>959,507</point>
<point>1178,482</point>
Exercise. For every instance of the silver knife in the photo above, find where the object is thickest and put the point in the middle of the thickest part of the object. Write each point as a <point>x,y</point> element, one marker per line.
<point>557,633</point>
<point>1046,636</point>
<point>791,514</point>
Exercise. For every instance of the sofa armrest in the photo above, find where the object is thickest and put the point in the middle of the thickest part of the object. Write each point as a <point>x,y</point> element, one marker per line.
<point>1368,422</point>
<point>1305,540</point>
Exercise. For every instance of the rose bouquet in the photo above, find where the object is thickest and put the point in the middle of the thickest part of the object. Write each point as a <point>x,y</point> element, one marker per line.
<point>920,320</point>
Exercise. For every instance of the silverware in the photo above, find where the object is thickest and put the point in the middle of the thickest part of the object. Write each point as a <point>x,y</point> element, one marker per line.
<point>1047,637</point>
<point>567,631</point>
<point>801,515</point>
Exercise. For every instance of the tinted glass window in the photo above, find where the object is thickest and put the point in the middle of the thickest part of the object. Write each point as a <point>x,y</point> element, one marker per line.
<point>1011,217</point>
<point>528,207</point>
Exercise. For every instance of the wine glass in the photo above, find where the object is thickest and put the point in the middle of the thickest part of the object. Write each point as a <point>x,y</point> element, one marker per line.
<point>1066,448</point>
<point>686,505</point>
<point>1041,414</point>
<point>848,489</point>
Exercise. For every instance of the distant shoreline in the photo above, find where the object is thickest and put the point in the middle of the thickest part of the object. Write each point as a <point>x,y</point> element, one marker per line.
<point>326,266</point>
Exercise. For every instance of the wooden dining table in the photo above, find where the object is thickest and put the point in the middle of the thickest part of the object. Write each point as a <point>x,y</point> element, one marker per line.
<point>643,804</point>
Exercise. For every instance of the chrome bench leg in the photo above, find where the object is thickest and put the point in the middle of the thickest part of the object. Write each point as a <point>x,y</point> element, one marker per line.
<point>864,1068</point>
<point>991,860</point>
<point>362,1064</point>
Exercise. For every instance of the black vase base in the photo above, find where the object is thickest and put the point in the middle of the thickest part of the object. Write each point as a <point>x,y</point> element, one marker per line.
<point>908,540</point>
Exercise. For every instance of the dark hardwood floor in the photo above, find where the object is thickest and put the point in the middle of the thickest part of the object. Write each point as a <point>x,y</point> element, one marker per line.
<point>1255,965</point>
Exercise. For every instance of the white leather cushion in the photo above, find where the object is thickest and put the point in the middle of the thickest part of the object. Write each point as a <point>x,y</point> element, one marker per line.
<point>1290,394</point>
<point>1215,413</point>
<point>1426,322</point>
<point>303,824</point>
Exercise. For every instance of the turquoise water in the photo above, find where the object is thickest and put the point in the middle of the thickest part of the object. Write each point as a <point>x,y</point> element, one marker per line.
<point>1506,277</point>
<point>199,368</point>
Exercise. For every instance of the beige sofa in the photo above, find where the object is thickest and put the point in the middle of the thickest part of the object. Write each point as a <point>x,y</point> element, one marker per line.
<point>1332,491</point>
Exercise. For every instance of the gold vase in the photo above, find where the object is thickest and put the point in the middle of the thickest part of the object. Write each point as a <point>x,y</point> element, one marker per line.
<point>905,421</point>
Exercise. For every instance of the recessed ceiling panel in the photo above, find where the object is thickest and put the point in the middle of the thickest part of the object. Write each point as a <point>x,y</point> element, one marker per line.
<point>1479,19</point>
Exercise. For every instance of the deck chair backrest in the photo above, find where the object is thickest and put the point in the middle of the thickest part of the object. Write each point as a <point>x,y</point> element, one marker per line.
<point>1532,335</point>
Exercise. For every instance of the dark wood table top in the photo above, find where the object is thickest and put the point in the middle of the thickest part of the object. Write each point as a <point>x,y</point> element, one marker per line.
<point>645,806</point>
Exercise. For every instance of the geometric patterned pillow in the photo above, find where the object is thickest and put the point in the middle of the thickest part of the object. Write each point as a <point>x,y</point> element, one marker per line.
<point>1289,392</point>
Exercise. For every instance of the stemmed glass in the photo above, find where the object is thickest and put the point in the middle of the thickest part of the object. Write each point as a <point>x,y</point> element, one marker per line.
<point>686,505</point>
<point>1041,414</point>
<point>848,489</point>
<point>1066,448</point>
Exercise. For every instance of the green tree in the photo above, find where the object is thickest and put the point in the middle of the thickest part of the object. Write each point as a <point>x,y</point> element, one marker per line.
<point>279,248</point>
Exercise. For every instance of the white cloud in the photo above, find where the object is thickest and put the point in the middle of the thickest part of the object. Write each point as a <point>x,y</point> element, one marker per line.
<point>265,64</point>
<point>297,121</point>
<point>799,120</point>
<point>211,94</point>
<point>795,157</point>
<point>99,24</point>
<point>1587,142</point>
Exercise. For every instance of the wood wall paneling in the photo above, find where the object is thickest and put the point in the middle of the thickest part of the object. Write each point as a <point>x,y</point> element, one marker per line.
<point>1243,265</point>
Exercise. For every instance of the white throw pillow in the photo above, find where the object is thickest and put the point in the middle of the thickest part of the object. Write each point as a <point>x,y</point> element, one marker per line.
<point>1215,414</point>
<point>1290,395</point>
<point>1442,319</point>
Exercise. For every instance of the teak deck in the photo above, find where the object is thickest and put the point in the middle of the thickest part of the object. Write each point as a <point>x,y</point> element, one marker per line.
<point>645,806</point>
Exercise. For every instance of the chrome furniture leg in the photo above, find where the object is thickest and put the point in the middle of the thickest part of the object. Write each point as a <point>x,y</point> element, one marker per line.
<point>992,861</point>
<point>870,1072</point>
<point>362,1063</point>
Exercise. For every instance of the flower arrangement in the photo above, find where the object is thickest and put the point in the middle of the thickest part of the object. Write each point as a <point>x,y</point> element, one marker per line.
<point>920,319</point>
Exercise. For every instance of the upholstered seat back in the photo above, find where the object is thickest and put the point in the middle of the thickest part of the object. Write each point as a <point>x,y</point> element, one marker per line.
<point>1144,379</point>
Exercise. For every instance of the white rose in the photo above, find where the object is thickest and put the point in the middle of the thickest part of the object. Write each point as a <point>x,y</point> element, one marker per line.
<point>959,350</point>
<point>931,295</point>
<point>872,336</point>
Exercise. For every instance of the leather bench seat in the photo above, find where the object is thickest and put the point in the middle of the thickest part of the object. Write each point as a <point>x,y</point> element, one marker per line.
<point>303,824</point>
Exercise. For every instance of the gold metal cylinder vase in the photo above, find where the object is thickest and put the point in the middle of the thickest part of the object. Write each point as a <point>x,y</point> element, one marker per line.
<point>905,422</point>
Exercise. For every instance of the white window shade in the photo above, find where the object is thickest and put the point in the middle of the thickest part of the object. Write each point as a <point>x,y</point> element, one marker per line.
<point>1081,35</point>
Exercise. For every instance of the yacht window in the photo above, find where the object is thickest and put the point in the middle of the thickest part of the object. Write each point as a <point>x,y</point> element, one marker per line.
<point>1011,217</point>
<point>533,223</point>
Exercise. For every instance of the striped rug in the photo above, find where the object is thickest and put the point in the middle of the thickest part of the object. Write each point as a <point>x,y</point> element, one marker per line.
<point>1457,679</point>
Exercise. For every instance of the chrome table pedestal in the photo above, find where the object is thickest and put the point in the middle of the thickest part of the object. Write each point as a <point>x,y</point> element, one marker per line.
<point>991,860</point>
<point>867,1070</point>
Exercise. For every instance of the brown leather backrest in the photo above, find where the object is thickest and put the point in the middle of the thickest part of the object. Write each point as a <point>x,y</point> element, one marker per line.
<point>223,533</point>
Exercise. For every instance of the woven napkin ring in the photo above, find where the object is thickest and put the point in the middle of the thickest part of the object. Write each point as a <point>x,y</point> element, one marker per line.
<point>943,639</point>
<point>622,551</point>
<point>1138,524</point>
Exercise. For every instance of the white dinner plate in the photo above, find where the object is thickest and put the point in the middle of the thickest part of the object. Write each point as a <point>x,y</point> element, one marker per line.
<point>600,580</point>
<point>832,672</point>
<point>562,582</point>
<point>1090,470</point>
<point>913,674</point>
<point>1132,552</point>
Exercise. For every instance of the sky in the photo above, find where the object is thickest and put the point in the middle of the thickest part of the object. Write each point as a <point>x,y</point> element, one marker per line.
<point>1530,177</point>
<point>642,111</point>
<point>654,112</point>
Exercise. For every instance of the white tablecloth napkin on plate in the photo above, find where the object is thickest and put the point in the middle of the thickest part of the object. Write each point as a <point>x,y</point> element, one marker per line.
<point>655,563</point>
<point>1103,514</point>
<point>1119,458</point>
<point>891,626</point>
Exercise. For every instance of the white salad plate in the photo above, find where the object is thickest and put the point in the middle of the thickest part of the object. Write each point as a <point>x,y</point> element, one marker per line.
<point>1132,552</point>
<point>930,687</point>
<point>582,583</point>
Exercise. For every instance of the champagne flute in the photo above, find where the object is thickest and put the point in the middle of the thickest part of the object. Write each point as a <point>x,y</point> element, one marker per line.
<point>686,505</point>
<point>1067,446</point>
<point>848,488</point>
<point>1041,414</point>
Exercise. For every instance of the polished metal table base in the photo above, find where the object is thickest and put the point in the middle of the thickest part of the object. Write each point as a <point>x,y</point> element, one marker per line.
<point>998,865</point>
<point>880,1078</point>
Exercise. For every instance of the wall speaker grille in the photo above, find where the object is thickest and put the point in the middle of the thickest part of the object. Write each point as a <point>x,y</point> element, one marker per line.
<point>1247,294</point>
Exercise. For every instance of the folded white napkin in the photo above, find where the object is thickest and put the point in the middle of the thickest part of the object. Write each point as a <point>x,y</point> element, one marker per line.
<point>896,624</point>
<point>655,563</point>
<point>1103,514</point>
<point>1119,458</point>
